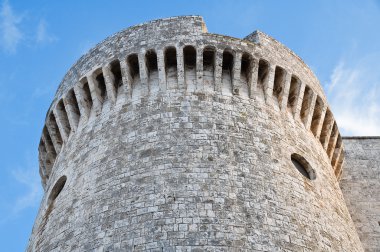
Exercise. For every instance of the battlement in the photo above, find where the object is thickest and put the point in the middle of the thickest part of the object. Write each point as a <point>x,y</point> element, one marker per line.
<point>178,55</point>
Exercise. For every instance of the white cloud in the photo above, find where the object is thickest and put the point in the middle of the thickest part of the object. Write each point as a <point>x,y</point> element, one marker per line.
<point>43,35</point>
<point>354,95</point>
<point>30,179</point>
<point>11,35</point>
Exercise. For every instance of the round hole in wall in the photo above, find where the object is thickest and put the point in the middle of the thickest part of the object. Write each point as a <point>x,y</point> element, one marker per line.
<point>57,188</point>
<point>303,166</point>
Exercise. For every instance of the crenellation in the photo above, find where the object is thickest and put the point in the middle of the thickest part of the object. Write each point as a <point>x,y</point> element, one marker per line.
<point>190,130</point>
<point>138,73</point>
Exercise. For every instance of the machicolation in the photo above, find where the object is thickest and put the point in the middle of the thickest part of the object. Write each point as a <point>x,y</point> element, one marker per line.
<point>165,137</point>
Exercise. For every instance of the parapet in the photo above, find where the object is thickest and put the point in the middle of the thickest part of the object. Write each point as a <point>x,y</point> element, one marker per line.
<point>179,55</point>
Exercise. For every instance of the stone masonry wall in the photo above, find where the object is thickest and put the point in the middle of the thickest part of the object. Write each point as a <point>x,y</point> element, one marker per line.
<point>360,185</point>
<point>167,138</point>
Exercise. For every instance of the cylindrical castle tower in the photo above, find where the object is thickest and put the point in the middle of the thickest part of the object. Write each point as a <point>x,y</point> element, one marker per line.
<point>165,137</point>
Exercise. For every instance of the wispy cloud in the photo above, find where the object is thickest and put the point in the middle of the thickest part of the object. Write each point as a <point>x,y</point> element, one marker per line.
<point>43,36</point>
<point>27,190</point>
<point>354,93</point>
<point>28,177</point>
<point>11,34</point>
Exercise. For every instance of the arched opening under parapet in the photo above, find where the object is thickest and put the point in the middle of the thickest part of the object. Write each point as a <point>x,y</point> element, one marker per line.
<point>262,76</point>
<point>303,166</point>
<point>63,118</point>
<point>87,99</point>
<point>100,85</point>
<point>316,116</point>
<point>295,85</point>
<point>227,71</point>
<point>306,103</point>
<point>326,127</point>
<point>189,56</point>
<point>116,71</point>
<point>134,69</point>
<point>171,67</point>
<point>208,68</point>
<point>245,74</point>
<point>190,65</point>
<point>279,84</point>
<point>152,68</point>
<point>75,112</point>
<point>55,130</point>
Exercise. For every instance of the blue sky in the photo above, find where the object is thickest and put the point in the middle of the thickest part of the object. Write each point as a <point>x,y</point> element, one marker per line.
<point>40,40</point>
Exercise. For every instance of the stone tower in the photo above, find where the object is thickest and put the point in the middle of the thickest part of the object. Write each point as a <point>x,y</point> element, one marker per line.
<point>165,137</point>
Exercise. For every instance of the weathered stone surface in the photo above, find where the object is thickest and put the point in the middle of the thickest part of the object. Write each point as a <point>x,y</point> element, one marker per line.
<point>187,149</point>
<point>360,185</point>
